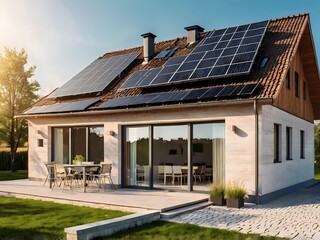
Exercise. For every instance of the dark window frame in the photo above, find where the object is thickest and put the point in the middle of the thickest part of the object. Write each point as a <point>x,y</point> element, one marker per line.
<point>277,143</point>
<point>297,84</point>
<point>289,143</point>
<point>302,144</point>
<point>288,80</point>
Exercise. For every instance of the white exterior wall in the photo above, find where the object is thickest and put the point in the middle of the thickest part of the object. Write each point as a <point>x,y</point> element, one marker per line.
<point>239,145</point>
<point>275,176</point>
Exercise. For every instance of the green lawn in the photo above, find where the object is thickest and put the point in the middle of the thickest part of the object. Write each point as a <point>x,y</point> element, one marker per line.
<point>176,231</point>
<point>8,175</point>
<point>317,173</point>
<point>22,219</point>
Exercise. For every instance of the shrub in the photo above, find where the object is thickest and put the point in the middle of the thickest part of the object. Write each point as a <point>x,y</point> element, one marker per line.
<point>78,158</point>
<point>235,190</point>
<point>217,189</point>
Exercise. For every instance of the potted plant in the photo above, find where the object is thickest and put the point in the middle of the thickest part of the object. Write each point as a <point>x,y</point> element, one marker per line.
<point>217,191</point>
<point>78,159</point>
<point>235,193</point>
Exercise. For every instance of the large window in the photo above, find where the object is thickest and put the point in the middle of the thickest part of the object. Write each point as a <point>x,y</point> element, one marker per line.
<point>277,143</point>
<point>302,144</point>
<point>71,141</point>
<point>289,143</point>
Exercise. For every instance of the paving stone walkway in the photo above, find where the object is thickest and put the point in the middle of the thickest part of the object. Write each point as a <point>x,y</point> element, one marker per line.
<point>294,216</point>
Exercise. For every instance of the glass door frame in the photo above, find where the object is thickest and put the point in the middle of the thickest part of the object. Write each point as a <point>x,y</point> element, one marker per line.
<point>151,129</point>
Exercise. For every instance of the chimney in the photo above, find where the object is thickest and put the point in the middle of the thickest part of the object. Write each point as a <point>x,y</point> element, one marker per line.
<point>148,46</point>
<point>193,33</point>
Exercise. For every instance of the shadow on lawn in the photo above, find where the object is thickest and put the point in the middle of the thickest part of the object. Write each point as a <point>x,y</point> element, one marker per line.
<point>26,234</point>
<point>29,222</point>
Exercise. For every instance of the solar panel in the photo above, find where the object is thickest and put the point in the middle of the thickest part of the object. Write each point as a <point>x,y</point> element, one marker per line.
<point>182,96</point>
<point>228,91</point>
<point>150,75</point>
<point>248,89</point>
<point>221,53</point>
<point>62,107</point>
<point>97,76</point>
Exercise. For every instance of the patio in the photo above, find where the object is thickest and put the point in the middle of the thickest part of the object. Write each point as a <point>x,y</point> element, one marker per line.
<point>133,200</point>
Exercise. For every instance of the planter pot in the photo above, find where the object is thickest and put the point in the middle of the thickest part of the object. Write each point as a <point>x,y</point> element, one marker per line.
<point>218,201</point>
<point>235,203</point>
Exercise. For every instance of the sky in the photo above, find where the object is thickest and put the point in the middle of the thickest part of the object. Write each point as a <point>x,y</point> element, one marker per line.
<point>63,37</point>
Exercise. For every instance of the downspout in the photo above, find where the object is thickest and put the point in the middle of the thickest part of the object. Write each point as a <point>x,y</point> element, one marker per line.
<point>255,107</point>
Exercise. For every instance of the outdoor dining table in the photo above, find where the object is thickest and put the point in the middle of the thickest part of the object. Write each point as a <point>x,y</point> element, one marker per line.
<point>83,168</point>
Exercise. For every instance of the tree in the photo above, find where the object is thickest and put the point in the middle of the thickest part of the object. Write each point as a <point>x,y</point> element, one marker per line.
<point>17,93</point>
<point>317,143</point>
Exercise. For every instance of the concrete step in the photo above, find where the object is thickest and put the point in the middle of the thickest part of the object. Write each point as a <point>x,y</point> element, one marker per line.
<point>190,208</point>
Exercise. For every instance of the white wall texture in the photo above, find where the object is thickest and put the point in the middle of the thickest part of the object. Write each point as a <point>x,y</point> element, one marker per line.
<point>275,176</point>
<point>240,152</point>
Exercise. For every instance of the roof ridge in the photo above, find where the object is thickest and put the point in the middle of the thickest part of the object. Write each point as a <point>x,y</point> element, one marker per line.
<point>290,16</point>
<point>181,37</point>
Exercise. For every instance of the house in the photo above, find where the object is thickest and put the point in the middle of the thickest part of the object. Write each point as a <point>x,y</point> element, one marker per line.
<point>229,104</point>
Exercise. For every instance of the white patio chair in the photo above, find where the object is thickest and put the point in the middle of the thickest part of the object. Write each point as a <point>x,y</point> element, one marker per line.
<point>63,176</point>
<point>177,173</point>
<point>160,172</point>
<point>167,173</point>
<point>49,167</point>
<point>104,173</point>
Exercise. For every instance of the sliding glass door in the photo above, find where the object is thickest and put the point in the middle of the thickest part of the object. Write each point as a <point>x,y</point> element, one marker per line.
<point>174,165</point>
<point>170,156</point>
<point>136,165</point>
<point>208,153</point>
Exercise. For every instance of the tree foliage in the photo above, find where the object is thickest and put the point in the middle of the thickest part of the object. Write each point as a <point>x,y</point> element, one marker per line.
<point>17,93</point>
<point>317,143</point>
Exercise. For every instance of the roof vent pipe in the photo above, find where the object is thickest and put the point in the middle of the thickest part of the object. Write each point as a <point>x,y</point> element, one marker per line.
<point>193,33</point>
<point>148,46</point>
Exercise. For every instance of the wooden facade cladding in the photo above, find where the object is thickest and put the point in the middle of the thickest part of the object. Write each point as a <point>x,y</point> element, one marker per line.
<point>287,99</point>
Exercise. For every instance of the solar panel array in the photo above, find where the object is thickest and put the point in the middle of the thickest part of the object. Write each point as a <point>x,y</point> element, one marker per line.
<point>183,96</point>
<point>221,53</point>
<point>62,107</point>
<point>96,77</point>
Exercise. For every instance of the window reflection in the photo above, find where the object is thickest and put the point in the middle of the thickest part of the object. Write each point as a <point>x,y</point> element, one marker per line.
<point>170,156</point>
<point>137,156</point>
<point>96,144</point>
<point>208,154</point>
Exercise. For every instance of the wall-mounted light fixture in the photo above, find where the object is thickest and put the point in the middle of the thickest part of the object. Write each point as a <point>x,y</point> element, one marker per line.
<point>38,131</point>
<point>111,133</point>
<point>233,128</point>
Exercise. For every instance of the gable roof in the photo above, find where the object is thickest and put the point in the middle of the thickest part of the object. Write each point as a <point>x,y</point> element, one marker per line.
<point>279,44</point>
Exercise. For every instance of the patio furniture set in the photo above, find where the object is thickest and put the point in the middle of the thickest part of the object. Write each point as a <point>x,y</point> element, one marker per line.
<point>78,175</point>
